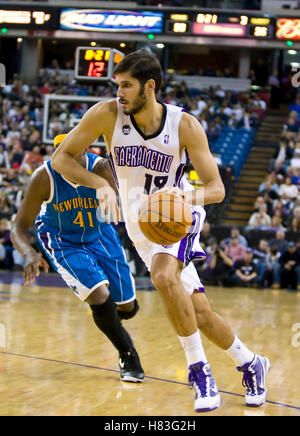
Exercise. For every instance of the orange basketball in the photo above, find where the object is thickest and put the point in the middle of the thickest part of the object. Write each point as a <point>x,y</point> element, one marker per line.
<point>165,218</point>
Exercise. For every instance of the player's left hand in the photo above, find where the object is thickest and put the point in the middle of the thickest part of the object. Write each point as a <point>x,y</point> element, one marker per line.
<point>171,190</point>
<point>108,204</point>
<point>33,263</point>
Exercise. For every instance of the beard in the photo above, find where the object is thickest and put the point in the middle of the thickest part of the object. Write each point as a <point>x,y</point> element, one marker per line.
<point>139,103</point>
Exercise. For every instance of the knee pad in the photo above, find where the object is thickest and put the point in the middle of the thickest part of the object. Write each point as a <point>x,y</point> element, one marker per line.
<point>128,315</point>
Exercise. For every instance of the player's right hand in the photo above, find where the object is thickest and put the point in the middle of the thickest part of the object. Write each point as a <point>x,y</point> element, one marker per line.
<point>108,204</point>
<point>33,263</point>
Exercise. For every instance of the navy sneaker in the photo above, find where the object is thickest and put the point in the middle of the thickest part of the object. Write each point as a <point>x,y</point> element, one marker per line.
<point>207,395</point>
<point>254,379</point>
<point>130,367</point>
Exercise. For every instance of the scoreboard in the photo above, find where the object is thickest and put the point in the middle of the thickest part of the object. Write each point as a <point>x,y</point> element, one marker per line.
<point>96,63</point>
<point>224,24</point>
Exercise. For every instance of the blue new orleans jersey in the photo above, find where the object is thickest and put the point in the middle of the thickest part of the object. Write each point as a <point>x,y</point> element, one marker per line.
<point>84,250</point>
<point>72,211</point>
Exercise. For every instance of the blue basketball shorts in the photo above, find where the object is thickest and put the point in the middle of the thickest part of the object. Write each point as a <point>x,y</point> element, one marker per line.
<point>86,266</point>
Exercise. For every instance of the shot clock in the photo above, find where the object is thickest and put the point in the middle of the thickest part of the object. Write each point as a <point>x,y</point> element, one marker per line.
<point>96,63</point>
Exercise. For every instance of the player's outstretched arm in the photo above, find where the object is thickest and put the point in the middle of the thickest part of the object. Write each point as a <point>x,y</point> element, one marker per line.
<point>37,192</point>
<point>193,138</point>
<point>98,120</point>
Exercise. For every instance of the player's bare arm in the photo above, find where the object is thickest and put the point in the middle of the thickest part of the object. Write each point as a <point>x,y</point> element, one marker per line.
<point>103,169</point>
<point>37,192</point>
<point>193,139</point>
<point>98,120</point>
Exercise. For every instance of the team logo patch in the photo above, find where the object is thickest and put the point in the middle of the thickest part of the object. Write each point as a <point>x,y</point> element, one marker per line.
<point>126,129</point>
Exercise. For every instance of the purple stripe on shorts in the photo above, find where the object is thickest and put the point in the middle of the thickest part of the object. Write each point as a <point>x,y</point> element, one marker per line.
<point>201,289</point>
<point>182,248</point>
<point>198,254</point>
<point>44,238</point>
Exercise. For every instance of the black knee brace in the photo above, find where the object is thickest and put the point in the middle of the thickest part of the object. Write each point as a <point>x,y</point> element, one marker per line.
<point>128,315</point>
<point>107,320</point>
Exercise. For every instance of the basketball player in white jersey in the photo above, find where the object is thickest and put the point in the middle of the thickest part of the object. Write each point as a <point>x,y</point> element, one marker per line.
<point>147,144</point>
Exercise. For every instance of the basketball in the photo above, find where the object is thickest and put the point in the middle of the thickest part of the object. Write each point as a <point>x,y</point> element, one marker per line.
<point>165,218</point>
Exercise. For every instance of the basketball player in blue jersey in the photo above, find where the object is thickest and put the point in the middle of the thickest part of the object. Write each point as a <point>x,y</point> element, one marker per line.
<point>148,143</point>
<point>86,252</point>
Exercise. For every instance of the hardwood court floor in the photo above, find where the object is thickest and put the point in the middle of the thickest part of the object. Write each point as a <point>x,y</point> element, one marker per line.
<point>53,361</point>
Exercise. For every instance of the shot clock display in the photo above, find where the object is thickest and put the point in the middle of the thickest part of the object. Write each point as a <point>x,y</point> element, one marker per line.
<point>96,63</point>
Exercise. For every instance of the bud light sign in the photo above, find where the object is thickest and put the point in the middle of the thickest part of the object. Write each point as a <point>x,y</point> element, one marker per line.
<point>94,20</point>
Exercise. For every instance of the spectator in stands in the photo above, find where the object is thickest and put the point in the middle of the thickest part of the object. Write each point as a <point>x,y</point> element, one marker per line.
<point>206,236</point>
<point>292,123</point>
<point>295,175</point>
<point>287,190</point>
<point>16,155</point>
<point>245,272</point>
<point>260,219</point>
<point>279,242</point>
<point>203,121</point>
<point>282,153</point>
<point>290,267</point>
<point>233,122</point>
<point>235,232</point>
<point>295,161</point>
<point>5,243</point>
<point>258,101</point>
<point>260,255</point>
<point>276,223</point>
<point>295,107</point>
<point>273,267</point>
<point>293,221</point>
<point>201,104</point>
<point>4,159</point>
<point>214,130</point>
<point>9,257</point>
<point>236,251</point>
<point>217,265</point>
<point>32,160</point>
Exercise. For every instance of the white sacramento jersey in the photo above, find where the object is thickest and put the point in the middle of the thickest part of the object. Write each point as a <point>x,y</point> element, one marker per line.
<point>142,164</point>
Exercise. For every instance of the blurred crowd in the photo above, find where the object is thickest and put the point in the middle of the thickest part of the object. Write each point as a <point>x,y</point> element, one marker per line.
<point>233,261</point>
<point>22,151</point>
<point>216,108</point>
<point>277,206</point>
<point>274,260</point>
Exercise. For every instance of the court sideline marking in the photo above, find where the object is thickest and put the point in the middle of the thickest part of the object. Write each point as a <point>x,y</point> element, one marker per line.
<point>82,365</point>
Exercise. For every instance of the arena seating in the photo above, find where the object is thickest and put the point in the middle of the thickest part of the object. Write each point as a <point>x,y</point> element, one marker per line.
<point>233,147</point>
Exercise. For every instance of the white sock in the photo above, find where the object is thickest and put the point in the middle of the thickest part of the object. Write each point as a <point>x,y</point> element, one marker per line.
<point>239,352</point>
<point>193,348</point>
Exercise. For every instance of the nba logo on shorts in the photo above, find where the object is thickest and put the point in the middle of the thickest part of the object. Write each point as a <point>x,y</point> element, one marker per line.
<point>166,139</point>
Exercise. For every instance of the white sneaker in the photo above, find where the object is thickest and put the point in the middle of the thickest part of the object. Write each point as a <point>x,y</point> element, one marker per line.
<point>207,395</point>
<point>254,379</point>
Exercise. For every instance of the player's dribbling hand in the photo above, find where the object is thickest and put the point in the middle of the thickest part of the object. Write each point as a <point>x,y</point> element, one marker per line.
<point>108,204</point>
<point>172,190</point>
<point>33,263</point>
